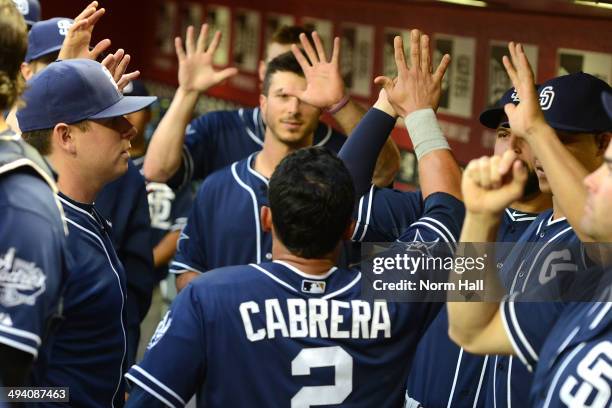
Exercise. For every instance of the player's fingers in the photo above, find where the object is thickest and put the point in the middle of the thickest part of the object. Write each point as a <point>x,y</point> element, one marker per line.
<point>319,46</point>
<point>224,74</point>
<point>122,67</point>
<point>189,42</point>
<point>201,43</point>
<point>91,21</point>
<point>510,110</point>
<point>442,67</point>
<point>504,165</point>
<point>108,62</point>
<point>511,71</point>
<point>87,11</point>
<point>336,51</point>
<point>178,47</point>
<point>99,48</point>
<point>126,79</point>
<point>78,25</point>
<point>310,52</point>
<point>400,58</point>
<point>214,44</point>
<point>299,56</point>
<point>524,65</point>
<point>484,172</point>
<point>415,49</point>
<point>519,176</point>
<point>471,171</point>
<point>494,173</point>
<point>425,56</point>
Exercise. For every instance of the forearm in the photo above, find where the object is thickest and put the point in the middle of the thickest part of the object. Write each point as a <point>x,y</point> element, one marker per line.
<point>165,249</point>
<point>467,320</point>
<point>387,164</point>
<point>361,150</point>
<point>349,116</point>
<point>565,175</point>
<point>438,169</point>
<point>163,156</point>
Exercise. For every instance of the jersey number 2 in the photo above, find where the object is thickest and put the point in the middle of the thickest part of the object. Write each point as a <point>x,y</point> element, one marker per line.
<point>325,394</point>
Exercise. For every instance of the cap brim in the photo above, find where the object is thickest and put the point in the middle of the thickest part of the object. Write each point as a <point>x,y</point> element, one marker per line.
<point>492,117</point>
<point>125,105</point>
<point>606,97</point>
<point>30,58</point>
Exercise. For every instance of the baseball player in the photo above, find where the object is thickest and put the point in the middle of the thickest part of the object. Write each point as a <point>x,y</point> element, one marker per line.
<point>443,374</point>
<point>564,101</point>
<point>74,117</point>
<point>32,271</point>
<point>30,10</point>
<point>179,153</point>
<point>294,331</point>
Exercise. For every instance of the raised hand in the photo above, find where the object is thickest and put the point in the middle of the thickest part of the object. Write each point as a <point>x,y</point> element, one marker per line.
<point>76,43</point>
<point>417,87</point>
<point>324,84</point>
<point>527,117</point>
<point>117,65</point>
<point>196,72</point>
<point>491,184</point>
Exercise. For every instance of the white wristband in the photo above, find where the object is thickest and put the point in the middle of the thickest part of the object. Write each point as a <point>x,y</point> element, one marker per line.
<point>425,132</point>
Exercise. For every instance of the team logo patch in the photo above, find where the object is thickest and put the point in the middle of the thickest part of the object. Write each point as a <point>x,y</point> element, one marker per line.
<point>63,26</point>
<point>162,328</point>
<point>21,282</point>
<point>314,287</point>
<point>547,96</point>
<point>22,6</point>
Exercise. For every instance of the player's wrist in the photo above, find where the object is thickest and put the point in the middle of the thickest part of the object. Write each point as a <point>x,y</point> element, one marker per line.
<point>338,106</point>
<point>485,219</point>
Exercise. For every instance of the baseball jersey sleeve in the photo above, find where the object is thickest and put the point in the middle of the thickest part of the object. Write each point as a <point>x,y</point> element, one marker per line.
<point>383,215</point>
<point>441,220</point>
<point>190,249</point>
<point>174,363</point>
<point>180,208</point>
<point>31,264</point>
<point>527,324</point>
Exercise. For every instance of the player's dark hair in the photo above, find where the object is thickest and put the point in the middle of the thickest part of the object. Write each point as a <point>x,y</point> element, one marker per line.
<point>41,139</point>
<point>283,63</point>
<point>13,46</point>
<point>287,35</point>
<point>311,197</point>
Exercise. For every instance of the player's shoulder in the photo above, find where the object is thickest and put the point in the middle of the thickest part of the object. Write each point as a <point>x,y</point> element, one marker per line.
<point>232,277</point>
<point>23,191</point>
<point>228,174</point>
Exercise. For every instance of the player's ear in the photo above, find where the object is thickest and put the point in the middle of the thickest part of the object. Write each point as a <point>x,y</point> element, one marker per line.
<point>64,138</point>
<point>263,104</point>
<point>603,140</point>
<point>266,218</point>
<point>26,70</point>
<point>348,232</point>
<point>261,71</point>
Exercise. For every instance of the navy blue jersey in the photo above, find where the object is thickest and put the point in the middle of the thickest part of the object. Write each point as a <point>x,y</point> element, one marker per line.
<point>33,259</point>
<point>443,374</point>
<point>383,214</point>
<point>568,344</point>
<point>87,352</point>
<point>226,207</point>
<point>124,203</point>
<point>546,251</point>
<point>168,210</point>
<point>218,139</point>
<point>289,338</point>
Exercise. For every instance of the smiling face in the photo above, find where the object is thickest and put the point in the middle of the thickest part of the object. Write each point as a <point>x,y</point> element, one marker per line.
<point>102,149</point>
<point>288,119</point>
<point>597,221</point>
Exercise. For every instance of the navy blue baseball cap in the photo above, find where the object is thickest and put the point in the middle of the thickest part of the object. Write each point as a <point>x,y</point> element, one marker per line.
<point>136,88</point>
<point>606,97</point>
<point>30,9</point>
<point>46,37</point>
<point>572,103</point>
<point>71,91</point>
<point>493,117</point>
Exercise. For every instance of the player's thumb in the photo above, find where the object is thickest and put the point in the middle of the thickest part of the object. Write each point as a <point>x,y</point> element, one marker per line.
<point>385,82</point>
<point>519,176</point>
<point>226,73</point>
